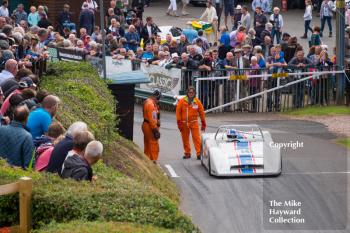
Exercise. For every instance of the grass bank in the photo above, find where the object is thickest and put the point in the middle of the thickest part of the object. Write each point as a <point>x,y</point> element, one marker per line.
<point>319,111</point>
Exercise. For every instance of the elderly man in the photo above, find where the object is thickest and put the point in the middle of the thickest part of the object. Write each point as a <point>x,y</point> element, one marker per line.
<point>40,119</point>
<point>79,167</point>
<point>277,22</point>
<point>16,142</point>
<point>132,38</point>
<point>62,148</point>
<point>187,62</point>
<point>78,163</point>
<point>10,71</point>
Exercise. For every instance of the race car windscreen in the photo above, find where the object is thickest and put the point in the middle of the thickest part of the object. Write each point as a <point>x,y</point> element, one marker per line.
<point>239,133</point>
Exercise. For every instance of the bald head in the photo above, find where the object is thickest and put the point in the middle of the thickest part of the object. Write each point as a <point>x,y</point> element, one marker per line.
<point>50,104</point>
<point>11,66</point>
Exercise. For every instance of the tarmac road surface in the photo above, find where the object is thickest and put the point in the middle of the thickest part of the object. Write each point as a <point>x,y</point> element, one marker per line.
<point>312,187</point>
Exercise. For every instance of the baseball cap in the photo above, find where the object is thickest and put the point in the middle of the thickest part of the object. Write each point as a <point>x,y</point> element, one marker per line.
<point>27,81</point>
<point>174,55</point>
<point>238,7</point>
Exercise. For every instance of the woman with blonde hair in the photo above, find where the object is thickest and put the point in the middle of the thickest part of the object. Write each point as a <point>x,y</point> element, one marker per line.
<point>307,18</point>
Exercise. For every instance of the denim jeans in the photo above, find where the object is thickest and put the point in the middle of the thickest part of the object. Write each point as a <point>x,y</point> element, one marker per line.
<point>329,22</point>
<point>307,26</point>
<point>277,33</point>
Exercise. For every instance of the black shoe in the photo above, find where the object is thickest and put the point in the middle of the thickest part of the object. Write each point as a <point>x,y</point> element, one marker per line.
<point>330,34</point>
<point>198,157</point>
<point>186,157</point>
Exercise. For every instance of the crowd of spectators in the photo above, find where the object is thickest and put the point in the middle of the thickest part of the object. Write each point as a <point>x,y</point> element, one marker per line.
<point>30,136</point>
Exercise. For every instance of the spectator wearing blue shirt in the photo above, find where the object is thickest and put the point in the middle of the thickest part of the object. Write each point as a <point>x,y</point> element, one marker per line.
<point>189,32</point>
<point>20,14</point>
<point>40,119</point>
<point>264,4</point>
<point>225,37</point>
<point>148,54</point>
<point>33,17</point>
<point>132,38</point>
<point>15,140</point>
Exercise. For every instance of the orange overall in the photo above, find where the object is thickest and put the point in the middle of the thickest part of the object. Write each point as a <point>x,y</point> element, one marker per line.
<point>187,117</point>
<point>151,122</point>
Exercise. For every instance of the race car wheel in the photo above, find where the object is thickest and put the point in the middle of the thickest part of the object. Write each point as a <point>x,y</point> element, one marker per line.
<point>209,166</point>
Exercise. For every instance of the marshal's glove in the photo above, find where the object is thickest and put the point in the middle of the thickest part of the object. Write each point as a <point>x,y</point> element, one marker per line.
<point>203,126</point>
<point>156,133</point>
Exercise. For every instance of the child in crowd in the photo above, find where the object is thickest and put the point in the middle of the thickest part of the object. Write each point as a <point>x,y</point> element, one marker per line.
<point>315,37</point>
<point>33,17</point>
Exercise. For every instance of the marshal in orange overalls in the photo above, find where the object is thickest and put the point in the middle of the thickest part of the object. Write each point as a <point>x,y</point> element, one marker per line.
<point>187,119</point>
<point>151,122</point>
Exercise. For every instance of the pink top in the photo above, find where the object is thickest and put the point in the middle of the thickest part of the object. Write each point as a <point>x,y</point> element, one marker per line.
<point>43,160</point>
<point>6,103</point>
<point>348,16</point>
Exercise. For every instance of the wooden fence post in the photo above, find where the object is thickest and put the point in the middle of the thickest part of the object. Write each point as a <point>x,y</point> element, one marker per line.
<point>25,194</point>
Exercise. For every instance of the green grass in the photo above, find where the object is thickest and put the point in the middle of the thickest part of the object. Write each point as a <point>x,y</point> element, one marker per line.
<point>320,111</point>
<point>344,141</point>
<point>100,227</point>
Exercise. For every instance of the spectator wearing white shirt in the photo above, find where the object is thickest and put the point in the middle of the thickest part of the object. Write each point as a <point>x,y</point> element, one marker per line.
<point>245,20</point>
<point>4,11</point>
<point>92,5</point>
<point>11,69</point>
<point>307,18</point>
<point>211,17</point>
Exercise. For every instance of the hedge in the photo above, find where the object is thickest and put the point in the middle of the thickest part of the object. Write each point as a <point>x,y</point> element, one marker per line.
<point>113,197</point>
<point>100,227</point>
<point>85,97</point>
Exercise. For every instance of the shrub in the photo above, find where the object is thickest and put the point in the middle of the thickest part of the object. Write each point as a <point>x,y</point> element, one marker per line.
<point>113,197</point>
<point>100,227</point>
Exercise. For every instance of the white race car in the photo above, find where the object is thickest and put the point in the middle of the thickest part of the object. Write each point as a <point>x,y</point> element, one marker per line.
<point>175,32</point>
<point>240,150</point>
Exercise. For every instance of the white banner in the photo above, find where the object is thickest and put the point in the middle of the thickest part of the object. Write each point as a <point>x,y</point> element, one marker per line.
<point>167,81</point>
<point>117,66</point>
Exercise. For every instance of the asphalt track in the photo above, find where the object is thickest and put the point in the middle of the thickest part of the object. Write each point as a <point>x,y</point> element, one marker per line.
<point>315,175</point>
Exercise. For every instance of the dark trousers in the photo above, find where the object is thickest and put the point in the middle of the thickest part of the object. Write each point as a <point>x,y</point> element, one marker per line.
<point>277,33</point>
<point>218,12</point>
<point>329,22</point>
<point>307,26</point>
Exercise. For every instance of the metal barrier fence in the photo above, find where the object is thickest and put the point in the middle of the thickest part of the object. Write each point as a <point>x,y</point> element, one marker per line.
<point>261,90</point>
<point>266,90</point>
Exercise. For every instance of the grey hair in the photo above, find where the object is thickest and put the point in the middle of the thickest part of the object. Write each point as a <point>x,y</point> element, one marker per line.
<point>77,127</point>
<point>94,149</point>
